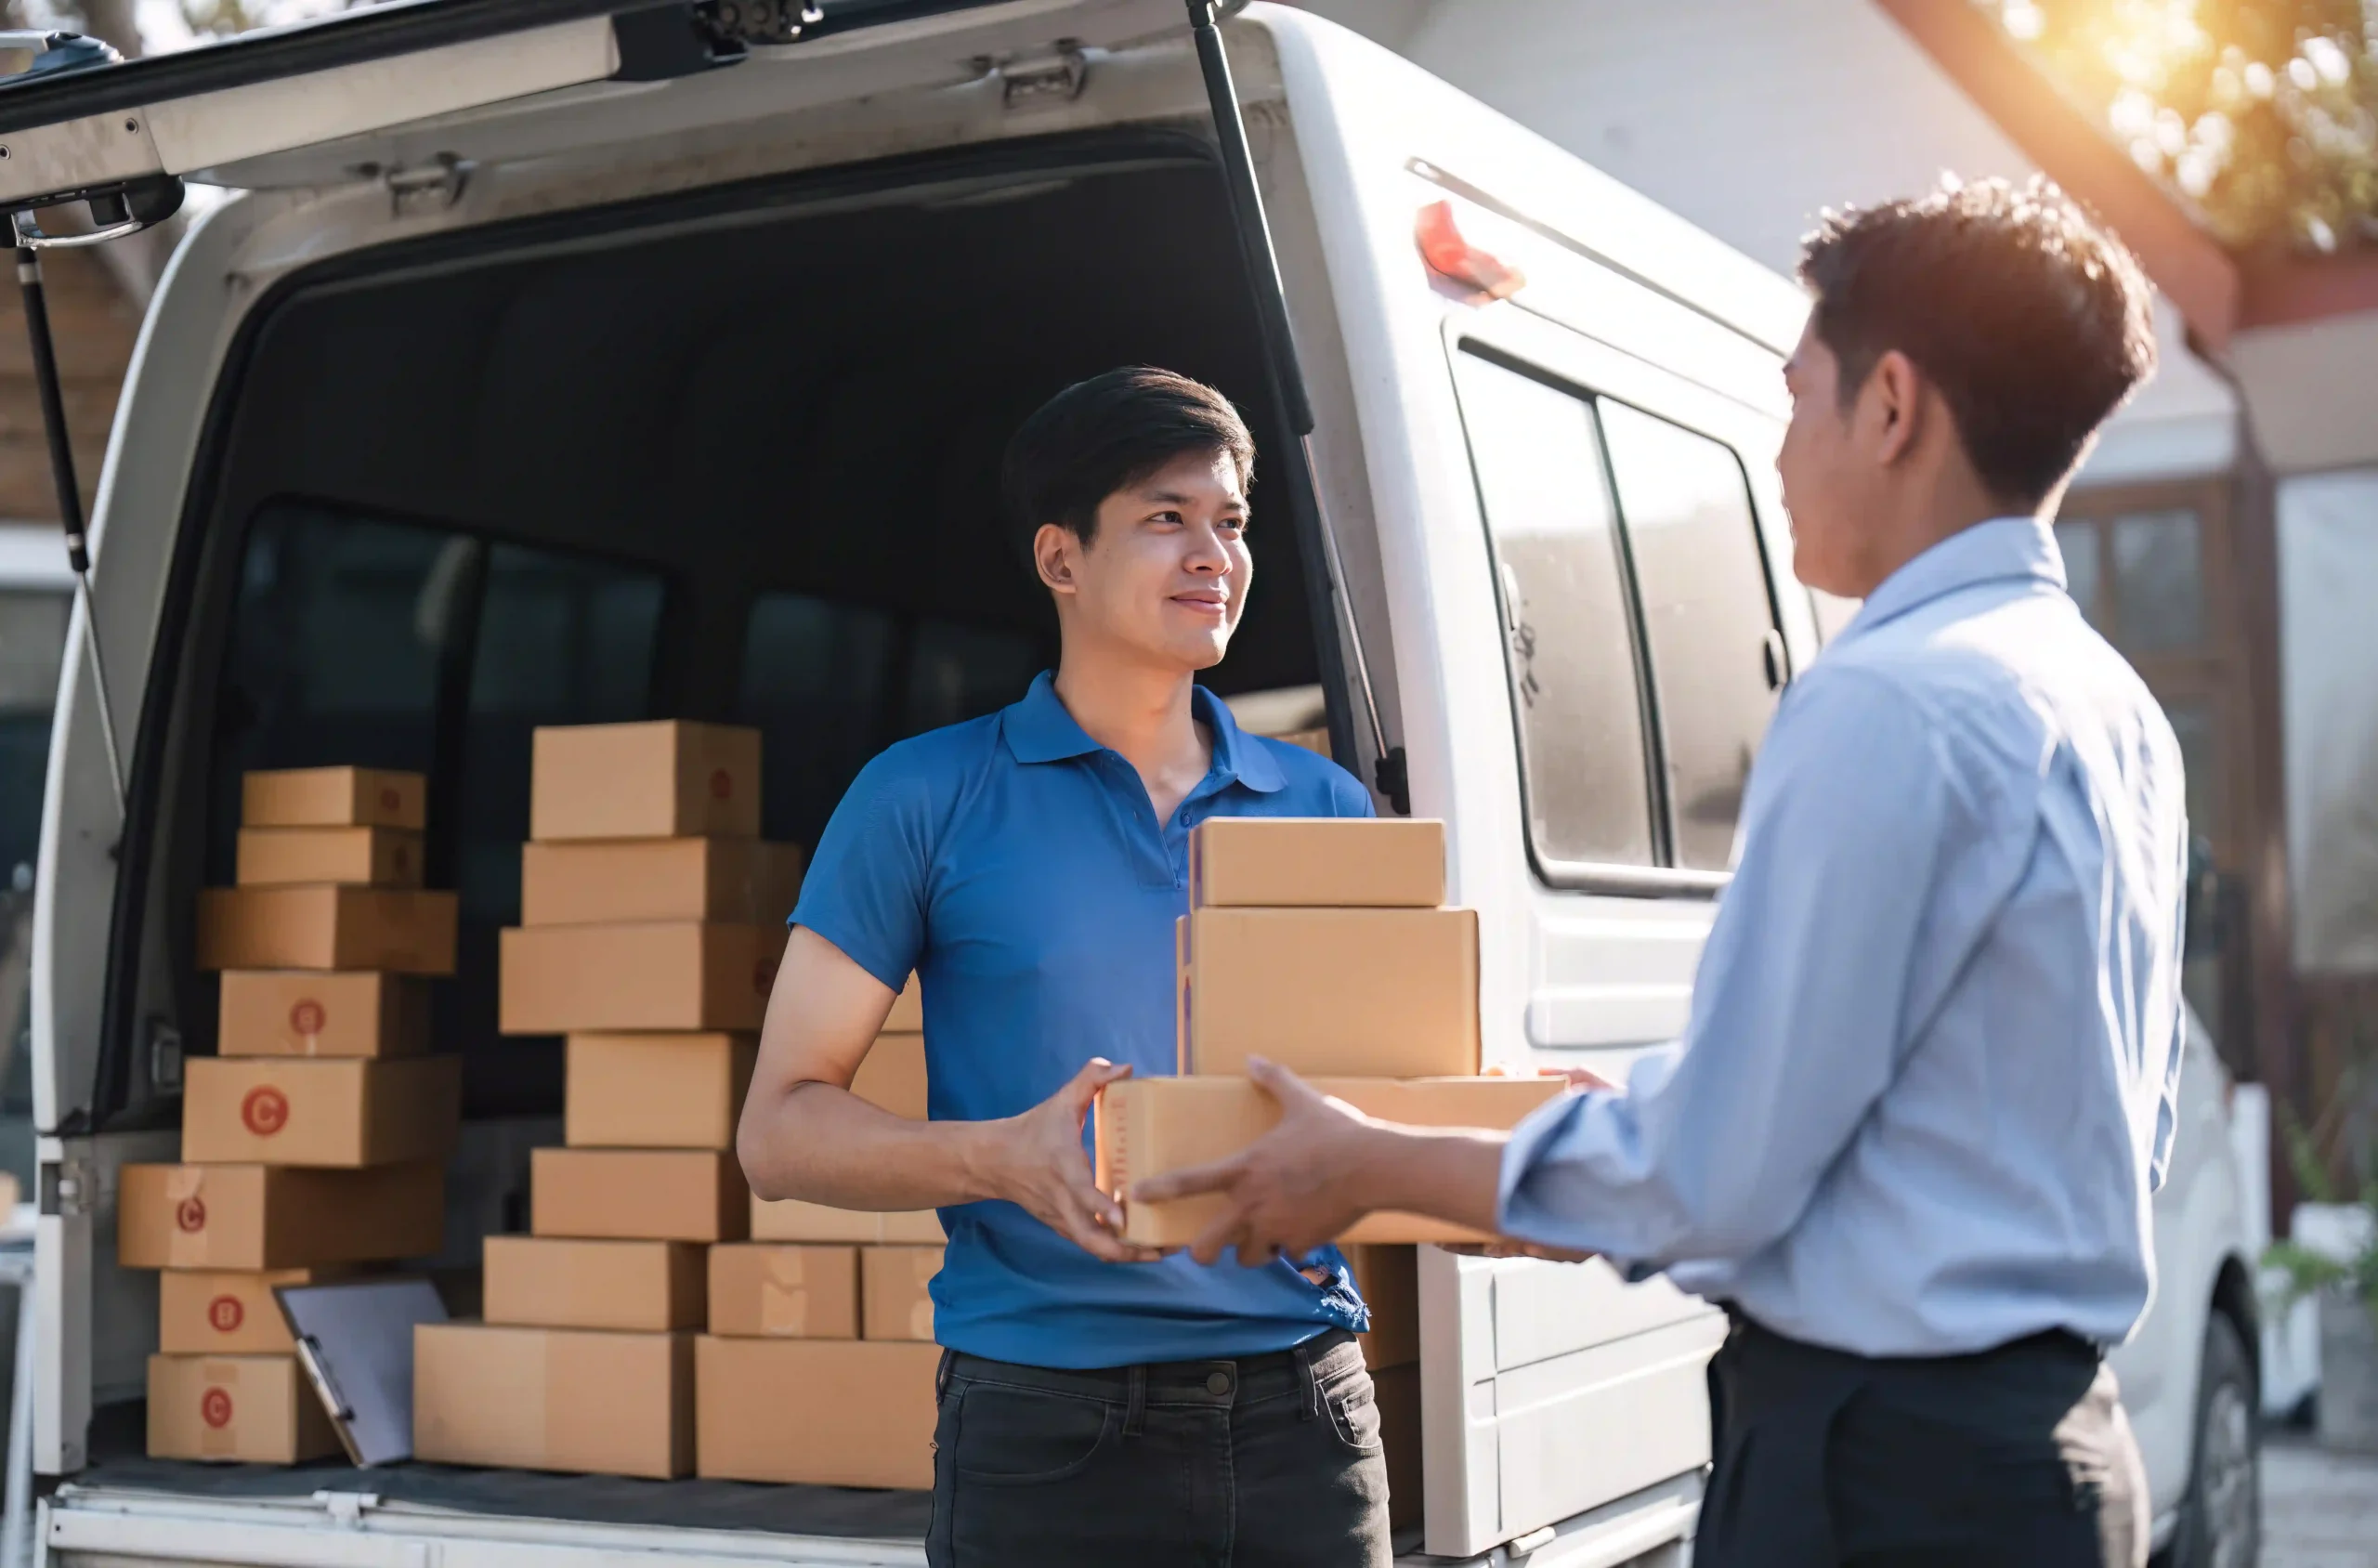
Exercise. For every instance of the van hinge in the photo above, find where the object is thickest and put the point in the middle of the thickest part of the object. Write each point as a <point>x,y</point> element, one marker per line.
<point>65,1187</point>
<point>430,188</point>
<point>1057,76</point>
<point>347,1509</point>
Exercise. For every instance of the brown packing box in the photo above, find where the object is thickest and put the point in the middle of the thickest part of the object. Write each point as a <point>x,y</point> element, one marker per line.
<point>210,1312</point>
<point>251,1409</point>
<point>323,1013</point>
<point>407,930</point>
<point>1149,1125</point>
<point>1396,1391</point>
<point>907,1016</point>
<point>656,1195</point>
<point>670,975</point>
<point>665,780</point>
<point>894,1295</point>
<point>1349,862</point>
<point>892,1075</point>
<point>1379,993</point>
<point>361,857</point>
<point>1389,1281</point>
<point>284,1110</point>
<point>276,1217</point>
<point>792,1219</point>
<point>746,880</point>
<point>333,797</point>
<point>554,1399</point>
<point>779,1291</point>
<point>656,1091</point>
<point>826,1412</point>
<point>560,1282</point>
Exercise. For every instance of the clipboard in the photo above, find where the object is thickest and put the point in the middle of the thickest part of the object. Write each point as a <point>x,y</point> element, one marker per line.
<point>355,1344</point>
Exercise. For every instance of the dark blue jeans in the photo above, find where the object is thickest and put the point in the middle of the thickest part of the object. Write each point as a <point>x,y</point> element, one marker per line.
<point>1266,1460</point>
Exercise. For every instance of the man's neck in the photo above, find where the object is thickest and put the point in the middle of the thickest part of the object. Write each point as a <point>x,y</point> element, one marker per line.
<point>1944,518</point>
<point>1140,711</point>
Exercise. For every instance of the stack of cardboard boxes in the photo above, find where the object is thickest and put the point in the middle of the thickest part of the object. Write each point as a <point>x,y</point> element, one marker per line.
<point>316,1141</point>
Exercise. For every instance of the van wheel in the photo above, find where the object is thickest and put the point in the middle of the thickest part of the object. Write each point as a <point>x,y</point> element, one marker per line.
<point>2221,1517</point>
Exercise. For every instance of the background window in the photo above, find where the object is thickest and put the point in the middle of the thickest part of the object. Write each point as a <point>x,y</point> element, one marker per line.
<point>2159,580</point>
<point>2078,543</point>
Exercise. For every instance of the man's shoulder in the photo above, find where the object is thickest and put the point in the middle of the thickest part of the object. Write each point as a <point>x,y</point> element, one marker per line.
<point>934,765</point>
<point>1315,784</point>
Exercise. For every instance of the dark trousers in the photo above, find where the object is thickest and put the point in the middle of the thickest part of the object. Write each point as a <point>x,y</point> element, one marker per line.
<point>1271,1460</point>
<point>2018,1456</point>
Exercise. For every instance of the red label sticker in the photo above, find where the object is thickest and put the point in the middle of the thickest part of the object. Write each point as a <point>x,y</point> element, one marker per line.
<point>266,1110</point>
<point>214,1409</point>
<point>388,797</point>
<point>190,1214</point>
<point>225,1314</point>
<point>721,784</point>
<point>307,1016</point>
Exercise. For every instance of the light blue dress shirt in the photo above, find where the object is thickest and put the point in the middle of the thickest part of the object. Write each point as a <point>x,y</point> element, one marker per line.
<point>1926,1089</point>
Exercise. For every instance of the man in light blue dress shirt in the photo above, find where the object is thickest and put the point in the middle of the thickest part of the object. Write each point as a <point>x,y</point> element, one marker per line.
<point>1911,1133</point>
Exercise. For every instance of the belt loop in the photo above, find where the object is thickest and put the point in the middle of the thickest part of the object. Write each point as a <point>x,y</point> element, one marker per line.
<point>1309,1386</point>
<point>1135,1402</point>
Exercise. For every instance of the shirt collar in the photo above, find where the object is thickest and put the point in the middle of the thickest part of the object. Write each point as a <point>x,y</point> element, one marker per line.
<point>2003,549</point>
<point>1039,729</point>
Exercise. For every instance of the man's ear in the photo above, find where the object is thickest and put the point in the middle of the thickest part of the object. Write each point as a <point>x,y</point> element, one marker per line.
<point>1890,408</point>
<point>1054,549</point>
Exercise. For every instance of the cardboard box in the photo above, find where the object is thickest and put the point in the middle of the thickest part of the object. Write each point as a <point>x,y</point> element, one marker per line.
<point>746,881</point>
<point>826,1412</point>
<point>212,1312</point>
<point>316,1012</point>
<point>1377,993</point>
<point>907,1016</point>
<point>404,931</point>
<point>286,1110</point>
<point>656,1091</point>
<point>668,779</point>
<point>1291,862</point>
<point>358,857</point>
<point>653,1194</point>
<point>1396,1391</point>
<point>560,1282</point>
<point>895,1294</point>
<point>247,1409</point>
<point>792,1219</point>
<point>276,1216</point>
<point>892,1075</point>
<point>672,974</point>
<point>779,1291</point>
<point>554,1399</point>
<point>1389,1279</point>
<point>1149,1125</point>
<point>333,797</point>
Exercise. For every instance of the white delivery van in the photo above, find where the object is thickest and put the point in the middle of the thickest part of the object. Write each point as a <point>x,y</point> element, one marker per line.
<point>567,361</point>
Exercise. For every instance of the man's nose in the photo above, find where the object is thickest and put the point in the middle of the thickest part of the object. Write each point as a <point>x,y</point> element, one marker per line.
<point>1207,553</point>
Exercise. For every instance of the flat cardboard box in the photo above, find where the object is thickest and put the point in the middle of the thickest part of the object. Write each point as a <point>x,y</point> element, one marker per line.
<point>669,975</point>
<point>894,1293</point>
<point>356,856</point>
<point>792,1219</point>
<point>1343,862</point>
<point>667,780</point>
<point>215,1312</point>
<point>1396,1391</point>
<point>749,882</point>
<point>651,1194</point>
<point>777,1290</point>
<point>907,1016</point>
<point>825,1412</point>
<point>1388,1280</point>
<point>583,1401</point>
<point>335,797</point>
<point>1149,1125</point>
<point>561,1281</point>
<point>315,1012</point>
<point>656,1091</point>
<point>1375,993</point>
<point>405,931</point>
<point>892,1075</point>
<point>342,1111</point>
<point>276,1216</point>
<point>241,1409</point>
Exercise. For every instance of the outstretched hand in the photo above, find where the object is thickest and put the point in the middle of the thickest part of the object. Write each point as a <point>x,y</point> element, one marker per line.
<point>1040,1167</point>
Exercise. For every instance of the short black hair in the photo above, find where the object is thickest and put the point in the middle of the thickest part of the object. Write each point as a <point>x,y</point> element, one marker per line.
<point>1106,434</point>
<point>2033,321</point>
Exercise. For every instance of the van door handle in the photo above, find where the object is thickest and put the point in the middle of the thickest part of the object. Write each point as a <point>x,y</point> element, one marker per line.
<point>1771,651</point>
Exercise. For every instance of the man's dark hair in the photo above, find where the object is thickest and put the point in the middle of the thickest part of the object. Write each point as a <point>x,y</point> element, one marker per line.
<point>1109,432</point>
<point>2033,321</point>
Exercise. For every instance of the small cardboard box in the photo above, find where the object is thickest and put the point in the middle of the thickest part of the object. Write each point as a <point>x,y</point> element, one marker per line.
<point>286,1110</point>
<point>1396,1391</point>
<point>894,1291</point>
<point>668,779</point>
<point>792,1219</point>
<point>554,1399</point>
<point>1389,1279</point>
<point>317,1012</point>
<point>907,1014</point>
<point>405,931</point>
<point>825,1412</point>
<point>1344,862</point>
<point>671,974</point>
<point>1149,1125</point>
<point>333,797</point>
<point>356,856</point>
<point>656,1091</point>
<point>747,882</point>
<point>1379,993</point>
<point>560,1282</point>
<point>213,1311</point>
<point>772,1290</point>
<point>892,1075</point>
<point>276,1216</point>
<point>247,1409</point>
<point>651,1194</point>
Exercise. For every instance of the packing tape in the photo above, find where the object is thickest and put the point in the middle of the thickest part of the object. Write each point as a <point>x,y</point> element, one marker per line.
<point>784,1296</point>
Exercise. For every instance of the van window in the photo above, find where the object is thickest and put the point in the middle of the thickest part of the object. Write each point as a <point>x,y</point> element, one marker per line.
<point>33,647</point>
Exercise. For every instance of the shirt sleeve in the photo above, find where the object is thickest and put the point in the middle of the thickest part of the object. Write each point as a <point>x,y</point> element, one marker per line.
<point>1807,989</point>
<point>868,887</point>
<point>2168,1109</point>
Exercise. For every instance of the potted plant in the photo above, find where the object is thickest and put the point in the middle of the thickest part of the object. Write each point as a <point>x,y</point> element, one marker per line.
<point>2343,1280</point>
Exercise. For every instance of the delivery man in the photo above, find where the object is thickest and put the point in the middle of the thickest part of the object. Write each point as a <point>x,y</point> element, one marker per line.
<point>1927,1088</point>
<point>1097,1405</point>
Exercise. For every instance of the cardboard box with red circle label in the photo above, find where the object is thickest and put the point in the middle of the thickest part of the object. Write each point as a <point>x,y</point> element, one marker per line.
<point>219,1311</point>
<point>354,856</point>
<point>276,1217</point>
<point>672,974</point>
<point>326,1111</point>
<point>333,797</point>
<point>598,882</point>
<point>405,931</point>
<point>664,779</point>
<point>321,1013</point>
<point>237,1409</point>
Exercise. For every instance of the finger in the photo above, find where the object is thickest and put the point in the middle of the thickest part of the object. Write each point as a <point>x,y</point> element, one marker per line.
<point>1101,1209</point>
<point>1095,1239</point>
<point>1279,1082</point>
<point>1223,1233</point>
<point>1579,1078</point>
<point>1189,1181</point>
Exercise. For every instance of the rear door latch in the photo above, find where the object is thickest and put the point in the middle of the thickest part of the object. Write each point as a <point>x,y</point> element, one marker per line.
<point>1054,77</point>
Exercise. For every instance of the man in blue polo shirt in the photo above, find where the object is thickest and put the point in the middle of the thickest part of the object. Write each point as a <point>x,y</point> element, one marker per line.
<point>1098,1403</point>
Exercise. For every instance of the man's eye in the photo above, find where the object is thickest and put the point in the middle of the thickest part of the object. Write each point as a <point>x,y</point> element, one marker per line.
<point>1173,517</point>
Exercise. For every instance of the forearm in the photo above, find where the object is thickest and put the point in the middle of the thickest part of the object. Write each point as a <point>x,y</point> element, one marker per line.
<point>824,1144</point>
<point>1453,1174</point>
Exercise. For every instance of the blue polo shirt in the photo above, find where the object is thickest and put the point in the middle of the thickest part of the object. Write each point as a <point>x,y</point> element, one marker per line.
<point>1017,867</point>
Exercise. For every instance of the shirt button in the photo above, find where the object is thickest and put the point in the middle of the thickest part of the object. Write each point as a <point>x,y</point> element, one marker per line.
<point>1218,1383</point>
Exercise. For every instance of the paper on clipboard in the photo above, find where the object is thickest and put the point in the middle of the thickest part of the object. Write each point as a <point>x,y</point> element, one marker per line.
<point>355,1341</point>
